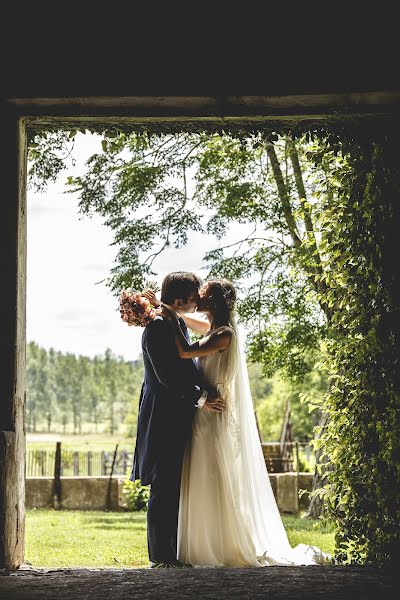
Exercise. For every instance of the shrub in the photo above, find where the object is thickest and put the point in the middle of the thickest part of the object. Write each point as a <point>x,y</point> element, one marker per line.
<point>305,465</point>
<point>136,495</point>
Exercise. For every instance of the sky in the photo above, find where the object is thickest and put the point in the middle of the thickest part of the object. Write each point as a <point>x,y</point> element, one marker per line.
<point>68,254</point>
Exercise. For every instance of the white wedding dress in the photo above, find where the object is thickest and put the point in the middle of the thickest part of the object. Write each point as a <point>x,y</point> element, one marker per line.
<point>228,516</point>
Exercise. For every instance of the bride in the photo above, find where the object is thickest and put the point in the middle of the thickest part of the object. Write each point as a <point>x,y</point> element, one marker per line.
<point>228,516</point>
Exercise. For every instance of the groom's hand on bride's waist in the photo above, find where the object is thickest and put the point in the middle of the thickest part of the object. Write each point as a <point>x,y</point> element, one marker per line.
<point>214,403</point>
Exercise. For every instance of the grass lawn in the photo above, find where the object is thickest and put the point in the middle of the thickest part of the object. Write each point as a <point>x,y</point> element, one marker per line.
<point>72,538</point>
<point>116,539</point>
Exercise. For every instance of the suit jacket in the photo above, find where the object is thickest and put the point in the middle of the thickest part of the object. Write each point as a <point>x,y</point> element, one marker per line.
<point>170,391</point>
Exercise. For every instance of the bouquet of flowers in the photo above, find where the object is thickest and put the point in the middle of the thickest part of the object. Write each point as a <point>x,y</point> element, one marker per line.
<point>135,309</point>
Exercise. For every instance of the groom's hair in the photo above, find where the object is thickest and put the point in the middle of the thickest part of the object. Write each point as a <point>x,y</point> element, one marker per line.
<point>178,286</point>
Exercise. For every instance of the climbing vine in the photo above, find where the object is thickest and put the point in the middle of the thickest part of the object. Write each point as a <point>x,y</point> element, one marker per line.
<point>360,222</point>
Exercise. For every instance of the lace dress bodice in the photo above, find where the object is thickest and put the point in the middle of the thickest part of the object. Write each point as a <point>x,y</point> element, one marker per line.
<point>217,368</point>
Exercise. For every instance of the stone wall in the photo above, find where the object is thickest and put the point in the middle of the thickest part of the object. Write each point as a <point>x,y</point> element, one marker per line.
<point>90,493</point>
<point>80,493</point>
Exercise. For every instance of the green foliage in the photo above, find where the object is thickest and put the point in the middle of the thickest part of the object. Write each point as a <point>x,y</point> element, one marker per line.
<point>152,191</point>
<point>47,154</point>
<point>271,410</point>
<point>68,392</point>
<point>136,495</point>
<point>305,465</point>
<point>259,385</point>
<point>360,219</point>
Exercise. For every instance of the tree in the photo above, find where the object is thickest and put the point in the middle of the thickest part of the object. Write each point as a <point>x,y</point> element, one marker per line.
<point>153,190</point>
<point>69,390</point>
<point>95,391</point>
<point>51,389</point>
<point>32,386</point>
<point>255,181</point>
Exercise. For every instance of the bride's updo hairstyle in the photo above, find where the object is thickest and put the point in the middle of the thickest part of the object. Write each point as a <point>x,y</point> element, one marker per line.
<point>222,297</point>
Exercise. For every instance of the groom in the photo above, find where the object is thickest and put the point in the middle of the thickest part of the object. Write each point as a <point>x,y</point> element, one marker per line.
<point>172,390</point>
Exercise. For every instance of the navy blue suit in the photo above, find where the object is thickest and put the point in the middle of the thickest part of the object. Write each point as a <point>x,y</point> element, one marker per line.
<point>170,391</point>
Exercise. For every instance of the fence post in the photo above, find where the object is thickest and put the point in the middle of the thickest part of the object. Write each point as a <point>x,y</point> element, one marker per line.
<point>124,461</point>
<point>42,457</point>
<point>103,463</point>
<point>108,500</point>
<point>76,464</point>
<point>89,463</point>
<point>297,456</point>
<point>57,478</point>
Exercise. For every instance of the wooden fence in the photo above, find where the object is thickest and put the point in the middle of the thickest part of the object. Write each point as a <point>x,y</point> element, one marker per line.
<point>41,463</point>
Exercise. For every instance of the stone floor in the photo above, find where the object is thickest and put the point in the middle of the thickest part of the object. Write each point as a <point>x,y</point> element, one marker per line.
<point>327,582</point>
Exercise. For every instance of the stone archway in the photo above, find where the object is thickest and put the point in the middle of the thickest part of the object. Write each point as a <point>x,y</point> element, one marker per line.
<point>17,116</point>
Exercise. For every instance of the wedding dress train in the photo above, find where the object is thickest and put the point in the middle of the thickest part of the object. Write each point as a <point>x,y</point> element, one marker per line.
<point>228,515</point>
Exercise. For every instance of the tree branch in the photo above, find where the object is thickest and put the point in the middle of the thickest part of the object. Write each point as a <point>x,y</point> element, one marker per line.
<point>151,258</point>
<point>298,177</point>
<point>283,194</point>
<point>287,209</point>
<point>319,285</point>
<point>251,239</point>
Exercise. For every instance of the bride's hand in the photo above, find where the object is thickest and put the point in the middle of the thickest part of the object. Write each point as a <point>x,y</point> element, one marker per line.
<point>168,313</point>
<point>151,297</point>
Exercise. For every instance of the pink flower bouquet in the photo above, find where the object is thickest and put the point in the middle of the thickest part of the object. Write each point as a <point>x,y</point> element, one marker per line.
<point>135,309</point>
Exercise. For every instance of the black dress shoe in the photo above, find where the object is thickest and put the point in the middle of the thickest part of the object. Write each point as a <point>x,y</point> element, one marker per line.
<point>181,565</point>
<point>158,565</point>
<point>176,564</point>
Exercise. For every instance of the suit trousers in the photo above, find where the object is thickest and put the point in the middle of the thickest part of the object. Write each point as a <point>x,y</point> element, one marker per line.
<point>162,517</point>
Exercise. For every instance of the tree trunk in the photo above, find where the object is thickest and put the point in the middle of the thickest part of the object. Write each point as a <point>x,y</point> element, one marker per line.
<point>283,195</point>
<point>112,425</point>
<point>75,419</point>
<point>316,503</point>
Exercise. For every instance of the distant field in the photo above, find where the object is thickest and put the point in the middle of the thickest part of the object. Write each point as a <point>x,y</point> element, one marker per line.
<point>79,442</point>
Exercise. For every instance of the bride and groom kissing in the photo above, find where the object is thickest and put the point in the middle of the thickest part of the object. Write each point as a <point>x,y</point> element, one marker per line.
<point>197,446</point>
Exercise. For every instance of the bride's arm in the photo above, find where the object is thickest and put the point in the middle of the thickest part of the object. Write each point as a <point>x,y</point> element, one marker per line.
<point>216,342</point>
<point>196,323</point>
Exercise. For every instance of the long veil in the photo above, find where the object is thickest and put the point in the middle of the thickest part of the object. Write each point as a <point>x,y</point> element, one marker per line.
<point>255,498</point>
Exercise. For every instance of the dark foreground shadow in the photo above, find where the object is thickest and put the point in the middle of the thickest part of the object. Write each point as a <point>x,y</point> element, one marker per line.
<point>324,582</point>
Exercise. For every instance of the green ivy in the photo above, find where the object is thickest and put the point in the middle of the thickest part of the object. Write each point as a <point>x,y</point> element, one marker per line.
<point>361,443</point>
